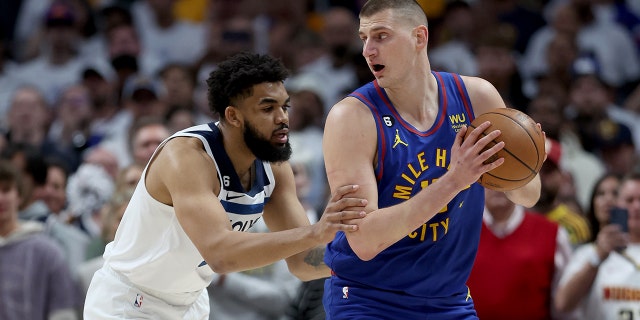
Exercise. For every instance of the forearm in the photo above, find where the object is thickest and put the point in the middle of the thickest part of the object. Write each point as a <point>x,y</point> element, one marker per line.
<point>309,264</point>
<point>234,251</point>
<point>527,195</point>
<point>571,293</point>
<point>384,227</point>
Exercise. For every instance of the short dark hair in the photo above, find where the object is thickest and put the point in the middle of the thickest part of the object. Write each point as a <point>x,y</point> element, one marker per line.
<point>235,77</point>
<point>10,176</point>
<point>408,9</point>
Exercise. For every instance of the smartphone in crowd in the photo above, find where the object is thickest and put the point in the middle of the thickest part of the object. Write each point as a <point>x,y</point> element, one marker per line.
<point>620,217</point>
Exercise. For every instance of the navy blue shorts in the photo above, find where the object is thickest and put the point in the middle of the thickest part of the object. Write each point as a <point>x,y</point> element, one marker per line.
<point>348,300</point>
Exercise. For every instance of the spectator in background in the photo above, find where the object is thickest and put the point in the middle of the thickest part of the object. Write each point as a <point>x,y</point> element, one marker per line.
<point>164,34</point>
<point>142,97</point>
<point>108,119</point>
<point>557,197</point>
<point>127,55</point>
<point>33,171</point>
<point>178,118</point>
<point>179,83</point>
<point>104,158</point>
<point>128,177</point>
<point>611,45</point>
<point>146,136</point>
<point>497,64</point>
<point>334,69</point>
<point>592,104</point>
<point>603,199</point>
<point>533,254</point>
<point>89,188</point>
<point>454,41</point>
<point>306,125</point>
<point>29,117</point>
<point>55,187</point>
<point>616,148</point>
<point>584,167</point>
<point>34,175</point>
<point>70,130</point>
<point>35,282</point>
<point>60,59</point>
<point>602,278</point>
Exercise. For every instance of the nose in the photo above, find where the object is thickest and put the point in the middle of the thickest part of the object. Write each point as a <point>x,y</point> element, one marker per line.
<point>282,116</point>
<point>368,49</point>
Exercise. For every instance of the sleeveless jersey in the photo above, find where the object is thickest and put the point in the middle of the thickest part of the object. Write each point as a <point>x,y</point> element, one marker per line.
<point>434,260</point>
<point>152,250</point>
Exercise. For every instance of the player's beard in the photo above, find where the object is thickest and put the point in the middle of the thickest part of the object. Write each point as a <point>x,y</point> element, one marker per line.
<point>264,149</point>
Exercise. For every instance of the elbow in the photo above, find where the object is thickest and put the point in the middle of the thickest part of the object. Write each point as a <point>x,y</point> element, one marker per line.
<point>363,251</point>
<point>529,203</point>
<point>219,267</point>
<point>221,264</point>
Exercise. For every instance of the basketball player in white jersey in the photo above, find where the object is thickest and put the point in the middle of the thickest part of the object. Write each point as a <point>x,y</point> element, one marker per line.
<point>201,188</point>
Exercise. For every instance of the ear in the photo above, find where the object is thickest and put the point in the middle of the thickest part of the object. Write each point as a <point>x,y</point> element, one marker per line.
<point>233,116</point>
<point>422,36</point>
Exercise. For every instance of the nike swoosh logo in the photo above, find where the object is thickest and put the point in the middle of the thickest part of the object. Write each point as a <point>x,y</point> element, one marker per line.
<point>233,197</point>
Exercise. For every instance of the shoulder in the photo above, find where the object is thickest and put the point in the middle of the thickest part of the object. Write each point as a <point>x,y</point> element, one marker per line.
<point>483,95</point>
<point>181,149</point>
<point>350,112</point>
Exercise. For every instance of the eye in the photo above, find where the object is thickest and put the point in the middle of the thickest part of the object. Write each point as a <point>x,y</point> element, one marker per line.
<point>286,107</point>
<point>382,36</point>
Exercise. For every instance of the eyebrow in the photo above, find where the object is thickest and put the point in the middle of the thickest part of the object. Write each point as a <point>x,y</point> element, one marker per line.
<point>375,29</point>
<point>272,100</point>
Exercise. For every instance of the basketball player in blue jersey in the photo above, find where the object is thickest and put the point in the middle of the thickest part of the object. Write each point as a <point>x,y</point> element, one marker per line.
<point>201,188</point>
<point>400,138</point>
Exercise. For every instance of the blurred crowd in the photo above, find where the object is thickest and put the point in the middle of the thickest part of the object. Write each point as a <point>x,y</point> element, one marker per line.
<point>90,88</point>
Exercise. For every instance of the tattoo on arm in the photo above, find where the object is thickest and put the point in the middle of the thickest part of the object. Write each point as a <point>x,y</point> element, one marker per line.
<point>315,257</point>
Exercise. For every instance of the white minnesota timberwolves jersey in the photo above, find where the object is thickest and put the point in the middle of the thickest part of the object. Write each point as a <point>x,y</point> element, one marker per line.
<point>152,250</point>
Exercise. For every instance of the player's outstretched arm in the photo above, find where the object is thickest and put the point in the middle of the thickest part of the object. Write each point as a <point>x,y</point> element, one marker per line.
<point>284,211</point>
<point>349,146</point>
<point>184,176</point>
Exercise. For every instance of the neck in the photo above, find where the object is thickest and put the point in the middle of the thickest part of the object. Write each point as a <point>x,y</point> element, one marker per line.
<point>418,109</point>
<point>239,154</point>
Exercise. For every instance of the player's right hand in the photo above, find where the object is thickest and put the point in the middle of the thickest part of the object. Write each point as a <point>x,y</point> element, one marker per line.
<point>340,213</point>
<point>468,156</point>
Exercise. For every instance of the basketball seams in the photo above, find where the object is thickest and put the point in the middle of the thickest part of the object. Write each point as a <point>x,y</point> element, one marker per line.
<point>531,138</point>
<point>525,124</point>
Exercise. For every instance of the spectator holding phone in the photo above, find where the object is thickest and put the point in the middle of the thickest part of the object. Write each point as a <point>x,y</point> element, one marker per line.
<point>602,280</point>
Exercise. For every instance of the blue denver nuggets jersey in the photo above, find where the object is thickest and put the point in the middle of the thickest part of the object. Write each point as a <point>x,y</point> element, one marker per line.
<point>150,247</point>
<point>435,260</point>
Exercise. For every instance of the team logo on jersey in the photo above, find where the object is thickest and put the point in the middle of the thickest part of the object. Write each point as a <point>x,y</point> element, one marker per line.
<point>230,197</point>
<point>398,140</point>
<point>138,302</point>
<point>457,121</point>
<point>345,292</point>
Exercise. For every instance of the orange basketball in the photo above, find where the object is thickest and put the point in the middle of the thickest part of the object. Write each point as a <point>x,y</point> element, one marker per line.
<point>523,152</point>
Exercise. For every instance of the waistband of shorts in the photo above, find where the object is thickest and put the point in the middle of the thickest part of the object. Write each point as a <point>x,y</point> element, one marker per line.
<point>176,299</point>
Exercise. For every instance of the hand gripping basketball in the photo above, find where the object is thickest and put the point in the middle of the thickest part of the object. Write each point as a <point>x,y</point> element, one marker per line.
<point>523,152</point>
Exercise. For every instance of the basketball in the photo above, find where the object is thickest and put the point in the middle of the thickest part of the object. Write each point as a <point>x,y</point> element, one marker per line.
<point>523,152</point>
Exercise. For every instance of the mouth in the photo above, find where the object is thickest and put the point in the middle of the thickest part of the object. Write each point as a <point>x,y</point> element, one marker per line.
<point>377,67</point>
<point>281,136</point>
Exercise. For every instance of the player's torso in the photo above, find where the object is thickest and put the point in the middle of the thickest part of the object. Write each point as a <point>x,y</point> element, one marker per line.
<point>152,249</point>
<point>408,161</point>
